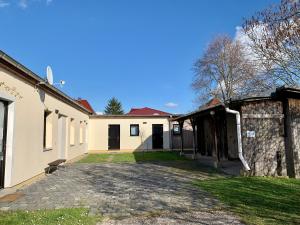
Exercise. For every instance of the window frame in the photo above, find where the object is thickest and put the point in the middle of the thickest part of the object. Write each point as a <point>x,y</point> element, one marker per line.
<point>72,132</point>
<point>138,130</point>
<point>179,130</point>
<point>81,138</point>
<point>47,146</point>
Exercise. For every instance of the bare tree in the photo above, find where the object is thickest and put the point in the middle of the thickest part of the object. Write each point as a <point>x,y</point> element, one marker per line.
<point>224,71</point>
<point>275,40</point>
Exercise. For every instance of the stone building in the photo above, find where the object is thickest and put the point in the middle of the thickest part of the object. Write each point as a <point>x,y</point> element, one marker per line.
<point>269,127</point>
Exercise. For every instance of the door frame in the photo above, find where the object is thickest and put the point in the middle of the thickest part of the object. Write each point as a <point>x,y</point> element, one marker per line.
<point>109,126</point>
<point>162,145</point>
<point>10,125</point>
<point>4,136</point>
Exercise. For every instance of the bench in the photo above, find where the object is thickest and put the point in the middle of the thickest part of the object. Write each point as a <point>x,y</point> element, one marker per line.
<point>55,164</point>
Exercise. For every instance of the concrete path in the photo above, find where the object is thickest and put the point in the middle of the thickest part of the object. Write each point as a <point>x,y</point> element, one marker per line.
<point>127,193</point>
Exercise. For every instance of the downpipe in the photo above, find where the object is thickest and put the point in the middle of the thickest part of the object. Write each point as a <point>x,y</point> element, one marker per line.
<point>239,137</point>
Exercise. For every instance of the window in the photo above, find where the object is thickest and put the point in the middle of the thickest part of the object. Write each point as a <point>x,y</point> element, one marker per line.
<point>134,130</point>
<point>81,132</point>
<point>47,139</point>
<point>72,132</point>
<point>176,129</point>
<point>86,132</point>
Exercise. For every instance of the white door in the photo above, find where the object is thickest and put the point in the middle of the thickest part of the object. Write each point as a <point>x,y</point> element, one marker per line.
<point>62,136</point>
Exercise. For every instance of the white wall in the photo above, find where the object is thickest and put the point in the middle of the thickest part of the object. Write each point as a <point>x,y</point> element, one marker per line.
<point>27,158</point>
<point>98,132</point>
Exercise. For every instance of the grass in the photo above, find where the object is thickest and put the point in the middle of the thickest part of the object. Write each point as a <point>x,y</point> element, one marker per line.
<point>73,216</point>
<point>258,200</point>
<point>132,157</point>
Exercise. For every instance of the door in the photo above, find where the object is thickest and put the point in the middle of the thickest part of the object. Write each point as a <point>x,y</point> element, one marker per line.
<point>3,116</point>
<point>62,136</point>
<point>157,136</point>
<point>113,137</point>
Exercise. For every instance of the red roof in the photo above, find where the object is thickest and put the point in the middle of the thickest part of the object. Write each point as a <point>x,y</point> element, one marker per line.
<point>85,104</point>
<point>147,112</point>
<point>214,101</point>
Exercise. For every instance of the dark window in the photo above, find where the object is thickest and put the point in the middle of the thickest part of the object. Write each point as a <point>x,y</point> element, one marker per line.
<point>176,129</point>
<point>47,138</point>
<point>134,130</point>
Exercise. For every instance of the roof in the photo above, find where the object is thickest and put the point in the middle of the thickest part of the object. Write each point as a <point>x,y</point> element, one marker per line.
<point>256,95</point>
<point>272,94</point>
<point>213,102</point>
<point>86,105</point>
<point>126,116</point>
<point>24,73</point>
<point>147,112</point>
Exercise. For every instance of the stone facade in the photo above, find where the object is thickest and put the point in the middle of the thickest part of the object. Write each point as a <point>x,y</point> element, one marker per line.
<point>263,137</point>
<point>293,141</point>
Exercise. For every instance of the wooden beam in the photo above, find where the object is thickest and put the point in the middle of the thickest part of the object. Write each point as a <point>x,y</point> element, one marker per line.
<point>181,136</point>
<point>193,122</point>
<point>215,152</point>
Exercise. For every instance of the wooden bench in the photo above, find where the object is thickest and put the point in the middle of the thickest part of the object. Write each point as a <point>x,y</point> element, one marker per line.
<point>55,164</point>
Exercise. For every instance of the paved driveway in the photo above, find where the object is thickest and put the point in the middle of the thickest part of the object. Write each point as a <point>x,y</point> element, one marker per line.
<point>129,193</point>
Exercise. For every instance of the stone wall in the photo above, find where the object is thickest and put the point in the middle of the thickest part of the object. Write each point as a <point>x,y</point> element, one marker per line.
<point>263,137</point>
<point>294,151</point>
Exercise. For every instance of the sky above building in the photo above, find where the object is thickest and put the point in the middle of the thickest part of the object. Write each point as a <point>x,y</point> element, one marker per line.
<point>139,51</point>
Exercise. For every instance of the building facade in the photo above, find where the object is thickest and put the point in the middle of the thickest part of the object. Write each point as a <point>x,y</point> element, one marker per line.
<point>270,129</point>
<point>38,124</point>
<point>129,132</point>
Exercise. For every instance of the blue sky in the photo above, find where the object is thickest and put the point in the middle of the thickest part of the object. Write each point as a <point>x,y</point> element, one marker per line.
<point>140,51</point>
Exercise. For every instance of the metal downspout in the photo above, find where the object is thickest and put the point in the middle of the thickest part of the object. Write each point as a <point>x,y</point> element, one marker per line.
<point>239,137</point>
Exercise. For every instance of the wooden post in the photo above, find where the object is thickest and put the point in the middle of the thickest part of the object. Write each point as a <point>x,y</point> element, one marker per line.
<point>181,136</point>
<point>215,152</point>
<point>193,122</point>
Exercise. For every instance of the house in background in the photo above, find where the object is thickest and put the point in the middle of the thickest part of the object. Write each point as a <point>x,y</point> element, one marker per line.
<point>86,105</point>
<point>140,129</point>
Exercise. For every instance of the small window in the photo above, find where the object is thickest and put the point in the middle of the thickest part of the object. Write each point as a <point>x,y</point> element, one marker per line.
<point>85,132</point>
<point>134,130</point>
<point>176,129</point>
<point>47,138</point>
<point>72,132</point>
<point>81,132</point>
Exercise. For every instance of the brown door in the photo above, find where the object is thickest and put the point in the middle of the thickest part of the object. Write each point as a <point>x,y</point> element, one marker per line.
<point>114,137</point>
<point>3,116</point>
<point>157,136</point>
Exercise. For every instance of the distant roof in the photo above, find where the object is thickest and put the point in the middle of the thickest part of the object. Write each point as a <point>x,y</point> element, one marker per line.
<point>211,103</point>
<point>147,112</point>
<point>86,105</point>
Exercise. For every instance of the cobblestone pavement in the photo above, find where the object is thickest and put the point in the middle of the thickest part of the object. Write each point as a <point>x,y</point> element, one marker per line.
<point>122,191</point>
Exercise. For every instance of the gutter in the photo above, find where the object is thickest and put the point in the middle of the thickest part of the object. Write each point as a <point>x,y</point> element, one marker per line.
<point>239,137</point>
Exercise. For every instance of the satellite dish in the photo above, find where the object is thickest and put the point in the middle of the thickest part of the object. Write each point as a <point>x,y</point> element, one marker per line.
<point>49,75</point>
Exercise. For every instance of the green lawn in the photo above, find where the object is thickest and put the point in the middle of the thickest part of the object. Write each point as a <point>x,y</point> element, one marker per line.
<point>74,216</point>
<point>132,157</point>
<point>258,200</point>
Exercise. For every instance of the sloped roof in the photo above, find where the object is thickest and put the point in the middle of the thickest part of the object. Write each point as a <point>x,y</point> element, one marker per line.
<point>147,112</point>
<point>86,105</point>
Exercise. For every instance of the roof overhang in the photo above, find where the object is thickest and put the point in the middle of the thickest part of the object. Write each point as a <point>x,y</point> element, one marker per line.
<point>201,112</point>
